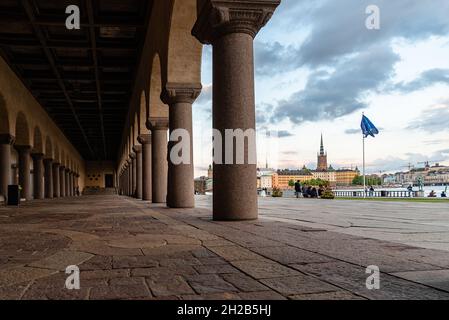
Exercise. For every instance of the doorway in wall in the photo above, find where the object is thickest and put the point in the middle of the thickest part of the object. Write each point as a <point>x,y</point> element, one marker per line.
<point>109,180</point>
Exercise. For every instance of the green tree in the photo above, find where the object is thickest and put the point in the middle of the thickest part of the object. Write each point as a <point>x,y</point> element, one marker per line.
<point>291,183</point>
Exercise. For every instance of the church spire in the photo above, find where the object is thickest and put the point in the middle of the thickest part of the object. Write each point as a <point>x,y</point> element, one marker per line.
<point>322,146</point>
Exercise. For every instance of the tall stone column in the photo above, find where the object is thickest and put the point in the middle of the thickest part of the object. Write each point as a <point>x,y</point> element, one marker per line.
<point>231,28</point>
<point>48,166</point>
<point>38,179</point>
<point>129,177</point>
<point>133,157</point>
<point>67,182</point>
<point>6,140</point>
<point>145,141</point>
<point>62,182</point>
<point>72,183</point>
<point>56,186</point>
<point>24,171</point>
<point>180,97</point>
<point>15,174</point>
<point>159,162</point>
<point>139,170</point>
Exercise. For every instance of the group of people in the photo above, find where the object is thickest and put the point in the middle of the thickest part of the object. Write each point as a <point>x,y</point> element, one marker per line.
<point>308,191</point>
<point>433,194</point>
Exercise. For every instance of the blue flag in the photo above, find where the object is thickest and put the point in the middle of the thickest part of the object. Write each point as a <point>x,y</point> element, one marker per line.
<point>368,128</point>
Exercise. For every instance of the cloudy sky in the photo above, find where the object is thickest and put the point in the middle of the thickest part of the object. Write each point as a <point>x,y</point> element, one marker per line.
<point>318,68</point>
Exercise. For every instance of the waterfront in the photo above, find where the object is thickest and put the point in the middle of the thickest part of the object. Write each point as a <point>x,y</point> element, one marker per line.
<point>427,189</point>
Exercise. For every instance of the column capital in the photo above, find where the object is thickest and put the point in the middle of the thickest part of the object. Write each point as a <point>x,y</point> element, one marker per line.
<point>62,168</point>
<point>220,17</point>
<point>7,139</point>
<point>144,138</point>
<point>37,155</point>
<point>132,155</point>
<point>56,164</point>
<point>48,160</point>
<point>157,124</point>
<point>180,93</point>
<point>67,170</point>
<point>23,148</point>
<point>137,149</point>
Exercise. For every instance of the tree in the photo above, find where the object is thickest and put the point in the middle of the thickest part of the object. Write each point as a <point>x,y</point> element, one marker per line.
<point>291,183</point>
<point>370,181</point>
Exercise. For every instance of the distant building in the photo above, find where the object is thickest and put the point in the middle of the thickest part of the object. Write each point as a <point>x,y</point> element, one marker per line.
<point>203,185</point>
<point>322,158</point>
<point>281,178</point>
<point>210,172</point>
<point>344,177</point>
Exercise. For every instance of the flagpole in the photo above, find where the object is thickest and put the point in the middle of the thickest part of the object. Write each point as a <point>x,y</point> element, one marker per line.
<point>364,175</point>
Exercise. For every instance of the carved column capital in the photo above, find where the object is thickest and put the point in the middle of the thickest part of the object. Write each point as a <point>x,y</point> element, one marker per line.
<point>180,93</point>
<point>132,155</point>
<point>7,139</point>
<point>144,139</point>
<point>157,124</point>
<point>220,17</point>
<point>137,149</point>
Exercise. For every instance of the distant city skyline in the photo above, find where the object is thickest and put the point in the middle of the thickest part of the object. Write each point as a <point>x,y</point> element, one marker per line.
<point>319,78</point>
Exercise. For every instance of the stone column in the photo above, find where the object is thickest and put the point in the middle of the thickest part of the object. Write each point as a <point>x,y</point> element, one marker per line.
<point>180,97</point>
<point>48,165</point>
<point>67,182</point>
<point>159,164</point>
<point>145,141</point>
<point>139,170</point>
<point>38,179</point>
<point>231,28</point>
<point>56,186</point>
<point>133,157</point>
<point>62,182</point>
<point>6,140</point>
<point>71,184</point>
<point>15,174</point>
<point>129,177</point>
<point>24,171</point>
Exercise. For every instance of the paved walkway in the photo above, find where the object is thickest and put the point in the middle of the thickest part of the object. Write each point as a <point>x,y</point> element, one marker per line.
<point>126,249</point>
<point>424,225</point>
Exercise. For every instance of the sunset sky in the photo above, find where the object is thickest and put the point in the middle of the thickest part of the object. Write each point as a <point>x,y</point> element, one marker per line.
<point>318,68</point>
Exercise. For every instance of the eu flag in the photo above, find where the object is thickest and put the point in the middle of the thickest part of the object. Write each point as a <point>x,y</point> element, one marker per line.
<point>368,128</point>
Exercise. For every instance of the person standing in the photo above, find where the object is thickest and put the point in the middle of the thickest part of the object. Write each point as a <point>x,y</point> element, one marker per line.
<point>297,189</point>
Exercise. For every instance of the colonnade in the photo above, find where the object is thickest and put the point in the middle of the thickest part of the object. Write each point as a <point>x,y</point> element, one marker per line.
<point>50,178</point>
<point>149,174</point>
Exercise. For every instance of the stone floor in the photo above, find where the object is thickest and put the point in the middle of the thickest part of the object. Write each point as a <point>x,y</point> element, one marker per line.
<point>128,249</point>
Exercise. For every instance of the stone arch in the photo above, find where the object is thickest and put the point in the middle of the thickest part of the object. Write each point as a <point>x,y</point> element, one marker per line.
<point>22,132</point>
<point>156,107</point>
<point>48,148</point>
<point>4,117</point>
<point>183,50</point>
<point>37,140</point>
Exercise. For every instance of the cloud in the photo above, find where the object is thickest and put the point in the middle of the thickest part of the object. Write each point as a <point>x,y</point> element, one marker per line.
<point>435,119</point>
<point>330,95</point>
<point>205,97</point>
<point>284,134</point>
<point>390,164</point>
<point>425,80</point>
<point>353,131</point>
<point>339,26</point>
<point>272,58</point>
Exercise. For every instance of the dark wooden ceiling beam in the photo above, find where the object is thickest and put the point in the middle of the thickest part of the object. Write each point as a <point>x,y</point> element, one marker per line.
<point>31,16</point>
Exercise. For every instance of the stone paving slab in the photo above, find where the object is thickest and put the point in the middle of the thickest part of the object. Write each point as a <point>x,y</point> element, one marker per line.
<point>129,249</point>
